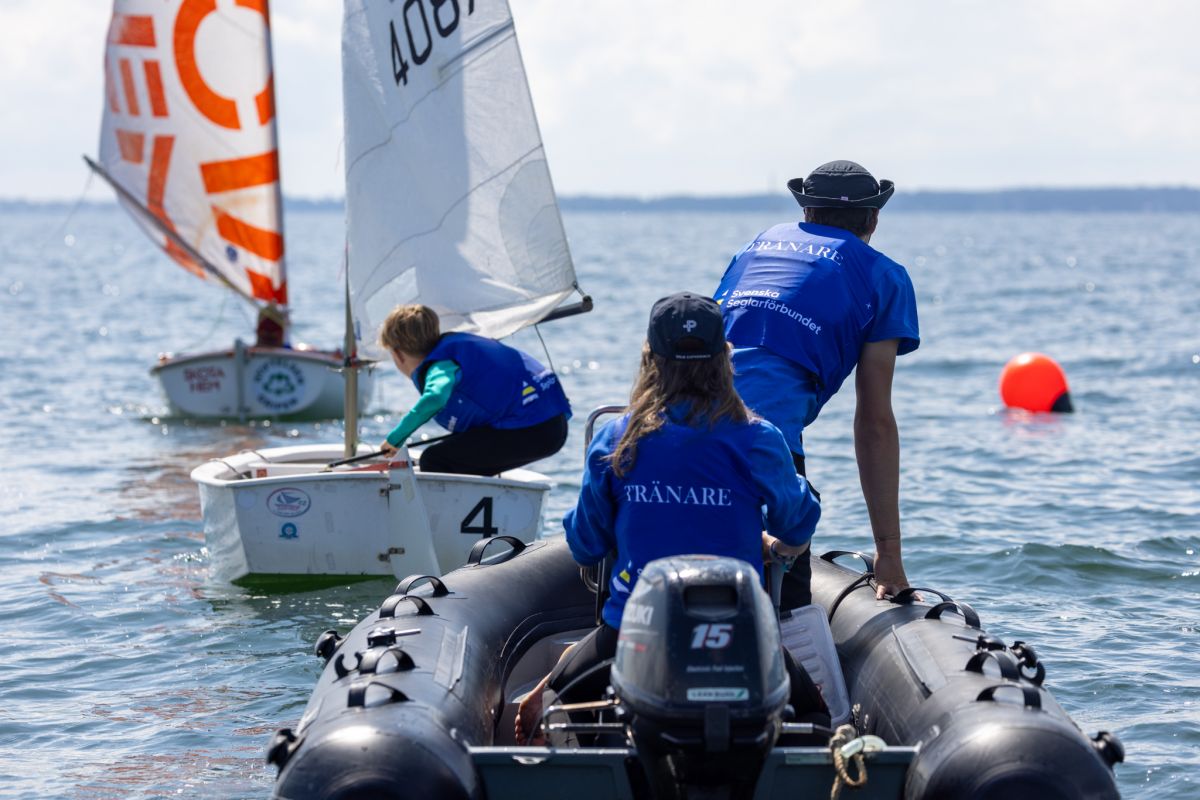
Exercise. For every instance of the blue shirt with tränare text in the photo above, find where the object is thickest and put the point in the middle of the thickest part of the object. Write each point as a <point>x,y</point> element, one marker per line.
<point>691,490</point>
<point>815,294</point>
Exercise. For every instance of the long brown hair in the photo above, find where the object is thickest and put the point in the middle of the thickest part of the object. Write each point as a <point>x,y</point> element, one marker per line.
<point>706,386</point>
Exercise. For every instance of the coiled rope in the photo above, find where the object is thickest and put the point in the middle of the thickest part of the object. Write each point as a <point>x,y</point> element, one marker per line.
<point>842,737</point>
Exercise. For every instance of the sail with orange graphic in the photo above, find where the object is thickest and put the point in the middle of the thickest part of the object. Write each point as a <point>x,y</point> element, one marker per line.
<point>188,144</point>
<point>188,137</point>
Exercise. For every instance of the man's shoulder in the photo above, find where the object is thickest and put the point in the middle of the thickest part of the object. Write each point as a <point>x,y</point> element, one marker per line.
<point>887,268</point>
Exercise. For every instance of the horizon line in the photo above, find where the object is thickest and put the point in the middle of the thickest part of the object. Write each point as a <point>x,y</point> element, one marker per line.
<point>689,196</point>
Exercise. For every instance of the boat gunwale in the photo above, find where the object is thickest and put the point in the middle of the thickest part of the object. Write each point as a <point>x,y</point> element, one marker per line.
<point>328,357</point>
<point>247,459</point>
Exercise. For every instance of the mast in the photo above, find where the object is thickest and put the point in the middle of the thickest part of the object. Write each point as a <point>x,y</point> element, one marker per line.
<point>350,377</point>
<point>277,186</point>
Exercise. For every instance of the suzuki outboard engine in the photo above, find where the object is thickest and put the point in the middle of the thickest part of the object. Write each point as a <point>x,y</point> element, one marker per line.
<point>700,673</point>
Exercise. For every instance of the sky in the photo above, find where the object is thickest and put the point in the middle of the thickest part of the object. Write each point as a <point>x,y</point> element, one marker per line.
<point>713,97</point>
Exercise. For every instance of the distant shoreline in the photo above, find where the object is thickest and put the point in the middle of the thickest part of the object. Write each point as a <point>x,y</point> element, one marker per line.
<point>1124,200</point>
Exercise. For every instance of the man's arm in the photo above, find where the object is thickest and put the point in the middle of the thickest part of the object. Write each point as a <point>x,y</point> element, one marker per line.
<point>877,448</point>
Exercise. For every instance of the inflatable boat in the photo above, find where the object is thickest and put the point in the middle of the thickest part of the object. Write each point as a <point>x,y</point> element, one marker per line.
<point>418,700</point>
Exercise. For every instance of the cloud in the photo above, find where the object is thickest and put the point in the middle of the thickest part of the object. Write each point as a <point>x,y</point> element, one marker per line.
<point>716,97</point>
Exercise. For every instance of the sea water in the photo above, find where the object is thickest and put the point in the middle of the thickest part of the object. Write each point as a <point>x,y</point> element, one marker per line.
<point>127,671</point>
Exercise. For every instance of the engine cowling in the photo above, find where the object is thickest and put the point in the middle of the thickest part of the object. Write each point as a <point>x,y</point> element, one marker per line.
<point>700,672</point>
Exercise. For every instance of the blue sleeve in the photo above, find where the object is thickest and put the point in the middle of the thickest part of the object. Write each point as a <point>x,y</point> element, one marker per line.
<point>440,379</point>
<point>590,526</point>
<point>792,509</point>
<point>896,310</point>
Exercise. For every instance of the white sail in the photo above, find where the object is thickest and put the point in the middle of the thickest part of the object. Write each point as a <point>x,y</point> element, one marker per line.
<point>448,196</point>
<point>188,137</point>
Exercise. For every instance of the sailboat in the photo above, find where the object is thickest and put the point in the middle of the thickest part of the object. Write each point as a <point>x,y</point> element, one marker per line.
<point>449,203</point>
<point>188,144</point>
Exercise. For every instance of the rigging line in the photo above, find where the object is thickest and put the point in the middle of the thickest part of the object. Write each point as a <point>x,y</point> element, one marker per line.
<point>196,345</point>
<point>57,235</point>
<point>549,361</point>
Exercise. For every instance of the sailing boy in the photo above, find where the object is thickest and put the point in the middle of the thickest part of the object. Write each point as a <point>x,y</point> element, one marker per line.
<point>504,407</point>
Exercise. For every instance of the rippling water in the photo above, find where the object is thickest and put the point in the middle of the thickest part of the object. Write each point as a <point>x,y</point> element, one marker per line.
<point>130,673</point>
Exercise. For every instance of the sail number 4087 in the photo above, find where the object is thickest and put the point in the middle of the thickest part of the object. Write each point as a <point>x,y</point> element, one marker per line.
<point>418,36</point>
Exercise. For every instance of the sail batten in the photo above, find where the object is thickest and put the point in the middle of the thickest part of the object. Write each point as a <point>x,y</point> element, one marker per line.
<point>449,200</point>
<point>188,136</point>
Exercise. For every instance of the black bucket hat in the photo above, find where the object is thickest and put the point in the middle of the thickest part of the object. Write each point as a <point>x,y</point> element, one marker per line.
<point>686,327</point>
<point>841,184</point>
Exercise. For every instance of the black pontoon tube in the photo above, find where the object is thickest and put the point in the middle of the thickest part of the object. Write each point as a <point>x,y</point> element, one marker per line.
<point>418,681</point>
<point>929,675</point>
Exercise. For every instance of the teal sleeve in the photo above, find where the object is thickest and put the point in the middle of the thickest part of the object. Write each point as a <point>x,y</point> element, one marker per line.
<point>439,383</point>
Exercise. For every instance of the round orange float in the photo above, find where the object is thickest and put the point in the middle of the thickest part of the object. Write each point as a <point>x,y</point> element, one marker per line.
<point>1035,382</point>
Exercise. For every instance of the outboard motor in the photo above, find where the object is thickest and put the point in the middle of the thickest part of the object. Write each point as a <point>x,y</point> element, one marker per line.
<point>699,670</point>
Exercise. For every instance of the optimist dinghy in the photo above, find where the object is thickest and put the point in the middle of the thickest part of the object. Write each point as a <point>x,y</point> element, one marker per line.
<point>198,170</point>
<point>418,699</point>
<point>449,203</point>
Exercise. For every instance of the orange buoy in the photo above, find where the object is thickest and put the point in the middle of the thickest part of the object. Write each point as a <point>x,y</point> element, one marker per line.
<point>1035,382</point>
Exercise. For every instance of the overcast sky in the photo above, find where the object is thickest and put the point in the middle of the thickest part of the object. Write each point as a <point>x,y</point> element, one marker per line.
<point>653,97</point>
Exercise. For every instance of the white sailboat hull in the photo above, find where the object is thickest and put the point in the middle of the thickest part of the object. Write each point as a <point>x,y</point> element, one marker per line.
<point>287,518</point>
<point>257,383</point>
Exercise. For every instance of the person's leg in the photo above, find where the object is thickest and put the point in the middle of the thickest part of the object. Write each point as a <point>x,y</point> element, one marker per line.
<point>797,582</point>
<point>571,675</point>
<point>489,451</point>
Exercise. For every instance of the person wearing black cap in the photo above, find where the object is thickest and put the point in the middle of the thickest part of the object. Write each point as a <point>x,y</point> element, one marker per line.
<point>807,303</point>
<point>686,469</point>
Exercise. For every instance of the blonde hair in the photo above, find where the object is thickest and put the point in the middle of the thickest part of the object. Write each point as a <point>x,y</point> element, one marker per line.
<point>412,329</point>
<point>705,386</point>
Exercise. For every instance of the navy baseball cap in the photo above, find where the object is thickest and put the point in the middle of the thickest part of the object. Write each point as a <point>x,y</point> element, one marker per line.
<point>686,327</point>
<point>841,184</point>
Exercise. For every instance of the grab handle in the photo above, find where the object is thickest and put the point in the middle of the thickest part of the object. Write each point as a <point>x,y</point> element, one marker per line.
<point>868,562</point>
<point>1008,665</point>
<point>970,618</point>
<point>405,586</point>
<point>368,662</point>
<point>476,554</point>
<point>356,697</point>
<point>908,595</point>
<point>388,609</point>
<point>1031,697</point>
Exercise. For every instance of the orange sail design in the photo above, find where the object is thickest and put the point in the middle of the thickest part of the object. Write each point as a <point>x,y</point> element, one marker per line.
<point>189,132</point>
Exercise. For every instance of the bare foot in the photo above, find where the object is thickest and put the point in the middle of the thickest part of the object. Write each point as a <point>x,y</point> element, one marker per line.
<point>529,712</point>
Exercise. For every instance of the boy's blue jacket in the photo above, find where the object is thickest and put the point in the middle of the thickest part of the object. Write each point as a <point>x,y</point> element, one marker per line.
<point>498,386</point>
